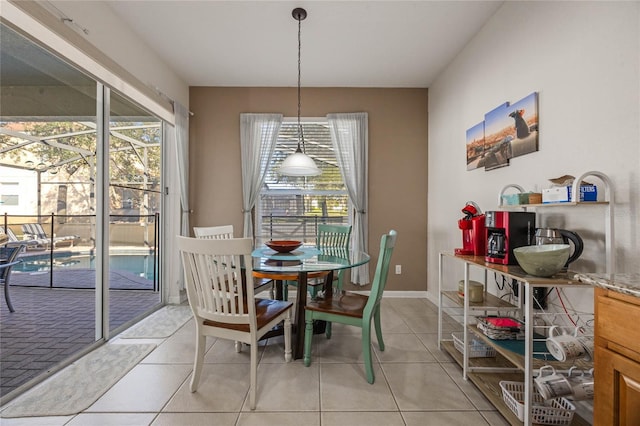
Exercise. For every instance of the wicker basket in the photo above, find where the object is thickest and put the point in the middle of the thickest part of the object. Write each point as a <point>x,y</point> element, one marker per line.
<point>557,411</point>
<point>477,348</point>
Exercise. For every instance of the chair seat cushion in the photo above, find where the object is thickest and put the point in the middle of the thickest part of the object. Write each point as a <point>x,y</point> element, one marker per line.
<point>266,310</point>
<point>346,303</point>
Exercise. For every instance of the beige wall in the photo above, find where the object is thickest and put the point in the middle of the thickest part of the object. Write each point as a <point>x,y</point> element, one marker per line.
<point>397,160</point>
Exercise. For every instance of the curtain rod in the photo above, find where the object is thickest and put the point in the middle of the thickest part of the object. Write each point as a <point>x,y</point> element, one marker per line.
<point>171,101</point>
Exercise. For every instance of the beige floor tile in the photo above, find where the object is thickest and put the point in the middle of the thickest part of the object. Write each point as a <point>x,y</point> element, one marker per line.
<point>424,386</point>
<point>196,419</point>
<point>177,349</point>
<point>425,324</point>
<point>112,419</point>
<point>340,348</point>
<point>403,348</point>
<point>410,308</point>
<point>344,388</point>
<point>337,328</point>
<point>380,418</point>
<point>279,419</point>
<point>223,351</point>
<point>430,340</point>
<point>147,387</point>
<point>274,350</point>
<point>222,388</point>
<point>36,421</point>
<point>391,321</point>
<point>287,386</point>
<point>494,418</point>
<point>442,418</point>
<point>470,390</point>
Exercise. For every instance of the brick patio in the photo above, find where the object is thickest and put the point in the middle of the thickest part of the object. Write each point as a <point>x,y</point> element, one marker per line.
<point>51,324</point>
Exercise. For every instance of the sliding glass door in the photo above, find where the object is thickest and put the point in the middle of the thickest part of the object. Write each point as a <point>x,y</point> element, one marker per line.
<point>135,198</point>
<point>80,179</point>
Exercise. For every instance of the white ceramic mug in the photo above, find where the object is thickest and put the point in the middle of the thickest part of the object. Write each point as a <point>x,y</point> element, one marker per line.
<point>551,384</point>
<point>581,384</point>
<point>566,346</point>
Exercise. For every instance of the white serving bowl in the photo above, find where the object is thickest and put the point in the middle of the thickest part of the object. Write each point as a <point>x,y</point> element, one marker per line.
<point>542,260</point>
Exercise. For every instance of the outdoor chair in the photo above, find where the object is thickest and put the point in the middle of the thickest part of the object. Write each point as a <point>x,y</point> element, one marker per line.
<point>14,241</point>
<point>8,259</point>
<point>222,303</point>
<point>225,232</point>
<point>37,232</point>
<point>354,309</point>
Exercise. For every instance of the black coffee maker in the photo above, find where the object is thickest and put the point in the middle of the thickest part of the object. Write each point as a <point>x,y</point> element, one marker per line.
<point>506,231</point>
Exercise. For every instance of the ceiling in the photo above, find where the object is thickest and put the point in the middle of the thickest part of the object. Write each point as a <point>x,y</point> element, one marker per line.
<point>344,43</point>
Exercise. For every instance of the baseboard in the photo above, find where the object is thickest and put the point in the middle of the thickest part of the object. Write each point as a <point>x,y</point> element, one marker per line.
<point>433,298</point>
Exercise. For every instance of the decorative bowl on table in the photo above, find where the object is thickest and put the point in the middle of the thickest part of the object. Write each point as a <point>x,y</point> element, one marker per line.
<point>283,246</point>
<point>542,260</point>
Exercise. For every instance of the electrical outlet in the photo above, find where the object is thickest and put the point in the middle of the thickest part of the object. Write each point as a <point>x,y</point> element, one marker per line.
<point>398,269</point>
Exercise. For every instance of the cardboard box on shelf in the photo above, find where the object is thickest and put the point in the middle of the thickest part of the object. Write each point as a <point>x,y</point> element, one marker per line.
<point>562,194</point>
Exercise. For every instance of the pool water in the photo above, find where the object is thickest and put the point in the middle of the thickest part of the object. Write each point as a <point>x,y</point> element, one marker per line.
<point>139,264</point>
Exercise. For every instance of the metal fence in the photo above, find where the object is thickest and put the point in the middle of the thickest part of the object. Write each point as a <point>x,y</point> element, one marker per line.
<point>301,228</point>
<point>139,234</point>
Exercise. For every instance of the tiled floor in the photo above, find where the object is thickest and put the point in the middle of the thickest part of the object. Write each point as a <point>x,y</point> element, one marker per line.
<point>415,383</point>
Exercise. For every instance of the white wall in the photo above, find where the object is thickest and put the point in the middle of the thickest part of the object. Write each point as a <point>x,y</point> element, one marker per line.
<point>583,58</point>
<point>117,40</point>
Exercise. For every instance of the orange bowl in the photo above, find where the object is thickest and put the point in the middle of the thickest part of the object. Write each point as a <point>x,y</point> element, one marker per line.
<point>283,246</point>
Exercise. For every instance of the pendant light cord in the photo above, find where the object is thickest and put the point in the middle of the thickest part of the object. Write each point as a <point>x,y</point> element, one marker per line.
<point>300,134</point>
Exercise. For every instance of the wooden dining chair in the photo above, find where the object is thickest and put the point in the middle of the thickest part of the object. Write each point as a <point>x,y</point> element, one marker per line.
<point>354,309</point>
<point>223,305</point>
<point>222,232</point>
<point>329,238</point>
<point>225,232</point>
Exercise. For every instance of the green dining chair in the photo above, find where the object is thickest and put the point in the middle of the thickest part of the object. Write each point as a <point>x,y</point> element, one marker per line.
<point>329,237</point>
<point>354,309</point>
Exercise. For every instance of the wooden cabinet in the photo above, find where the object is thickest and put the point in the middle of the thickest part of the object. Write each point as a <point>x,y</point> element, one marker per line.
<point>617,359</point>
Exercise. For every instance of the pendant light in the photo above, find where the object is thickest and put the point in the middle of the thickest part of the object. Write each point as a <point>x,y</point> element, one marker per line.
<point>299,163</point>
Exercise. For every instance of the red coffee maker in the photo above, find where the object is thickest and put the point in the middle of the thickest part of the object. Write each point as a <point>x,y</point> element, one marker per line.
<point>474,238</point>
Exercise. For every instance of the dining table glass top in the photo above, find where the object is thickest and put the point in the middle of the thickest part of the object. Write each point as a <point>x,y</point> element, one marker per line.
<point>307,259</point>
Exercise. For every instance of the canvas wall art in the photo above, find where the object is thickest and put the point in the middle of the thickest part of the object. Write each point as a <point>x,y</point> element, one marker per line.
<point>510,130</point>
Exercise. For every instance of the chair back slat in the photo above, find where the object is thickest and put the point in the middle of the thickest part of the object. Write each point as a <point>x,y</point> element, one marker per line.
<point>387,244</point>
<point>333,236</point>
<point>223,232</point>
<point>216,288</point>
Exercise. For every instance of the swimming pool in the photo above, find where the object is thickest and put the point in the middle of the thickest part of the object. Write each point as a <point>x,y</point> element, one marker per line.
<point>141,264</point>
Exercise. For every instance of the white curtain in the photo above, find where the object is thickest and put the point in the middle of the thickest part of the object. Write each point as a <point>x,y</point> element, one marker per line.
<point>350,138</point>
<point>182,154</point>
<point>258,136</point>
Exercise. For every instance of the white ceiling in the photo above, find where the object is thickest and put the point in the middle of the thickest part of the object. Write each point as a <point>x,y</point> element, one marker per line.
<point>344,43</point>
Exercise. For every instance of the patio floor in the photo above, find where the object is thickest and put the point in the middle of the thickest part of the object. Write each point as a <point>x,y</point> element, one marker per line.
<point>51,324</point>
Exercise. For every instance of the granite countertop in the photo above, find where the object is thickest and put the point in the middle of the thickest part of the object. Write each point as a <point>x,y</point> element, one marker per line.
<point>622,283</point>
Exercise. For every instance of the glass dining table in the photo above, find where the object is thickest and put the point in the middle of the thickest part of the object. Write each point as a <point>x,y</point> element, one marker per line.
<point>302,264</point>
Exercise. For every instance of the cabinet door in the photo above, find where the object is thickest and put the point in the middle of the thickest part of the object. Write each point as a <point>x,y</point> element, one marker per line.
<point>617,389</point>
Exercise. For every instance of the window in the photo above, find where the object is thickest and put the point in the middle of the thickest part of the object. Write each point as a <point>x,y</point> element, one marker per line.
<point>9,195</point>
<point>291,207</point>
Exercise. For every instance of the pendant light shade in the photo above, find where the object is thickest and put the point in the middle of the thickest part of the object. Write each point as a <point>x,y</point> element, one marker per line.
<point>299,163</point>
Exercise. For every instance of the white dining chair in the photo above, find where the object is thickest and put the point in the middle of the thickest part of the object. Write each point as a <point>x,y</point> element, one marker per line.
<point>222,232</point>
<point>223,305</point>
<point>225,232</point>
